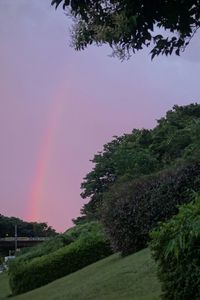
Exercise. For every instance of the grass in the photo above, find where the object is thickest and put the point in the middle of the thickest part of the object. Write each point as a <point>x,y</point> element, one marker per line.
<point>4,286</point>
<point>113,278</point>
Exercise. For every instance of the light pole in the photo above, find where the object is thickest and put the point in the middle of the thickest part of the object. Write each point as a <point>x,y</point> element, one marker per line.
<point>15,239</point>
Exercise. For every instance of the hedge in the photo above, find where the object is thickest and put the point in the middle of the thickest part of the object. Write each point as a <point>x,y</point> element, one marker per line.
<point>42,270</point>
<point>61,240</point>
<point>176,248</point>
<point>131,210</point>
<point>82,230</point>
<point>49,246</point>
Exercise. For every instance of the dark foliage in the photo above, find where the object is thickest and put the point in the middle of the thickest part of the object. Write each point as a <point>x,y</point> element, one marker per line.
<point>176,248</point>
<point>175,138</point>
<point>29,229</point>
<point>128,26</point>
<point>125,157</point>
<point>131,210</point>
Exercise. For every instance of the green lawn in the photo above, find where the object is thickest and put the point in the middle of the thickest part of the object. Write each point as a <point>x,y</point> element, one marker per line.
<point>4,286</point>
<point>113,278</point>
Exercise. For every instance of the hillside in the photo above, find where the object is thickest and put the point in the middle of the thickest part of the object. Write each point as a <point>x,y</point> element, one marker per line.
<point>132,277</point>
<point>4,287</point>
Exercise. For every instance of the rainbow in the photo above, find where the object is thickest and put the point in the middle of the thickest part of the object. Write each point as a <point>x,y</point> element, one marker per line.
<point>44,157</point>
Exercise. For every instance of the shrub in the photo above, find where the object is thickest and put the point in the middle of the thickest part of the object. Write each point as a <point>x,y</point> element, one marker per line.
<point>49,246</point>
<point>82,230</point>
<point>131,210</point>
<point>176,248</point>
<point>42,270</point>
<point>61,240</point>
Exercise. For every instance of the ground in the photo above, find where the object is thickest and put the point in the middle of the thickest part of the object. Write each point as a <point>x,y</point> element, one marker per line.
<point>113,278</point>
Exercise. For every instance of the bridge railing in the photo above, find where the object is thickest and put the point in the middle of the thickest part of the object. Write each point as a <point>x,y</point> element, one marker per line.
<point>24,239</point>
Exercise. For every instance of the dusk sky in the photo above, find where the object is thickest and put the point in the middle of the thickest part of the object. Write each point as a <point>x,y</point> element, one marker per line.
<point>59,106</point>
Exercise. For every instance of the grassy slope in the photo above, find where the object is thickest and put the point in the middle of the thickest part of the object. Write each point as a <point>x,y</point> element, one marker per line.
<point>113,278</point>
<point>4,286</point>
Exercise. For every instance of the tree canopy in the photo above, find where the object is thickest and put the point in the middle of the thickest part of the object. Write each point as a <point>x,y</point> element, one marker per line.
<point>130,25</point>
<point>28,229</point>
<point>175,139</point>
<point>123,158</point>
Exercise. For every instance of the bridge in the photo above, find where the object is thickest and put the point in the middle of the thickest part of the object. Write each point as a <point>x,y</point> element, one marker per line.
<point>21,242</point>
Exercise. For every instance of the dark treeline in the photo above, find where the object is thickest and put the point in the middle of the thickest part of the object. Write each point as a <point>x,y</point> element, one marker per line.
<point>28,229</point>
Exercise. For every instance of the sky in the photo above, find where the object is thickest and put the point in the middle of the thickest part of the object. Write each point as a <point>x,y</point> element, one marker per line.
<point>58,107</point>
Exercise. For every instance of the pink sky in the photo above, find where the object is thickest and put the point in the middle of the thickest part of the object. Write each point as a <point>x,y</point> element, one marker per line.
<point>58,107</point>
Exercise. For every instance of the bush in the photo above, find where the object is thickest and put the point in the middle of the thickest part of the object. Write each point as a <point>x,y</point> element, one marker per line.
<point>131,210</point>
<point>82,230</point>
<point>42,270</point>
<point>61,240</point>
<point>49,246</point>
<point>176,248</point>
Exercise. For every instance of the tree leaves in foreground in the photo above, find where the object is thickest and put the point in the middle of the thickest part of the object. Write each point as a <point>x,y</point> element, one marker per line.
<point>129,26</point>
<point>176,248</point>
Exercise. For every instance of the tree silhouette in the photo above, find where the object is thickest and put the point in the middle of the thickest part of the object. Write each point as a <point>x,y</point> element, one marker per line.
<point>130,25</point>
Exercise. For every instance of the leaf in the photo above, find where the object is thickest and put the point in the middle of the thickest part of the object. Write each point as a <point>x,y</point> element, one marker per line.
<point>177,52</point>
<point>56,2</point>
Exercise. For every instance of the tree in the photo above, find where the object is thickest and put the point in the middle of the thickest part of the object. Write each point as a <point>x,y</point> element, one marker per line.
<point>177,135</point>
<point>130,25</point>
<point>123,158</point>
<point>175,139</point>
<point>29,229</point>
